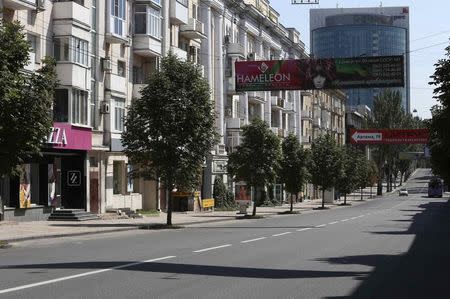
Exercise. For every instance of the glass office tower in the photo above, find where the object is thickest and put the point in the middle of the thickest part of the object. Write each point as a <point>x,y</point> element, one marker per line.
<point>352,32</point>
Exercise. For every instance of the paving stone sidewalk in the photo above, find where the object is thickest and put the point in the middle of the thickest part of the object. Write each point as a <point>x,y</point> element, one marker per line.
<point>22,231</point>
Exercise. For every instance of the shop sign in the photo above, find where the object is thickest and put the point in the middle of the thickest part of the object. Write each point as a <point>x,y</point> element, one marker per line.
<point>242,193</point>
<point>208,203</point>
<point>67,136</point>
<point>74,178</point>
<point>321,73</point>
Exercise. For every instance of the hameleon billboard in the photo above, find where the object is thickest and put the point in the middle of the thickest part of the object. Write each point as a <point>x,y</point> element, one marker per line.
<point>322,73</point>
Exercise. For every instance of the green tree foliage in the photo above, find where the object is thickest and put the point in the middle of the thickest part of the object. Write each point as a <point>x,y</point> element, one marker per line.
<point>372,175</point>
<point>326,163</point>
<point>387,114</point>
<point>25,99</point>
<point>440,122</point>
<point>223,198</point>
<point>256,160</point>
<point>293,172</point>
<point>170,129</point>
<point>347,182</point>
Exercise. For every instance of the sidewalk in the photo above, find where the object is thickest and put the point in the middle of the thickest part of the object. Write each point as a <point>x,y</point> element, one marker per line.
<point>22,231</point>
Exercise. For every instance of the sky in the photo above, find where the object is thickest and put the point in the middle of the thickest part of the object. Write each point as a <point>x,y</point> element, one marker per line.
<point>429,34</point>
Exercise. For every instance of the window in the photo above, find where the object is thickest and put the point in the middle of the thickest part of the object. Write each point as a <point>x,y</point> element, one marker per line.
<point>79,107</point>
<point>183,2</point>
<point>147,20</point>
<point>119,114</point>
<point>118,16</point>
<point>121,68</point>
<point>61,105</point>
<point>71,49</point>
<point>118,177</point>
<point>132,182</point>
<point>93,104</point>
<point>194,11</point>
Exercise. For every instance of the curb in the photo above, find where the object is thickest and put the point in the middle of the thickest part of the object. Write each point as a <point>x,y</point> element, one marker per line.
<point>137,227</point>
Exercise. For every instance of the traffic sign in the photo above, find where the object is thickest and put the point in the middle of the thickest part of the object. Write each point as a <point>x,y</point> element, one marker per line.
<point>389,136</point>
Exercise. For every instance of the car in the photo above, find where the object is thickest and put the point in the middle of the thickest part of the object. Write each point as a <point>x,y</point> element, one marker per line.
<point>403,192</point>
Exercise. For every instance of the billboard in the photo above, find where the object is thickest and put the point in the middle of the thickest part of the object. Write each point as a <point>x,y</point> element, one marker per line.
<point>389,136</point>
<point>322,73</point>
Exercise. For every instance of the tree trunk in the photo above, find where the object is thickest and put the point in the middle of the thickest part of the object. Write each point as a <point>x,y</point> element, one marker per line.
<point>292,202</point>
<point>345,199</point>
<point>254,202</point>
<point>2,206</point>
<point>323,198</point>
<point>371,191</point>
<point>380,187</point>
<point>361,193</point>
<point>169,206</point>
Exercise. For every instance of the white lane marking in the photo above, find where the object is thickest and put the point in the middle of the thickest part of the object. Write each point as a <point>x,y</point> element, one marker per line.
<point>343,220</point>
<point>360,216</point>
<point>321,225</point>
<point>303,229</point>
<point>212,248</point>
<point>334,222</point>
<point>32,285</point>
<point>276,235</point>
<point>253,240</point>
<point>353,218</point>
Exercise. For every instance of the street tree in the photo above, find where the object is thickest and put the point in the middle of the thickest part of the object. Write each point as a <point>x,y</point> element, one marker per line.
<point>440,122</point>
<point>256,160</point>
<point>25,100</point>
<point>170,129</point>
<point>293,172</point>
<point>326,163</point>
<point>362,169</point>
<point>372,175</point>
<point>223,198</point>
<point>387,114</point>
<point>347,181</point>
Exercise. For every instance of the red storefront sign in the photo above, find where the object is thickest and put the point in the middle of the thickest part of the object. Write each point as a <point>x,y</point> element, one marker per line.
<point>389,136</point>
<point>67,136</point>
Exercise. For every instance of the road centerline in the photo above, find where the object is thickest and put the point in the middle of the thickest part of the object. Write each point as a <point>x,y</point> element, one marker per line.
<point>212,248</point>
<point>47,282</point>
<point>320,225</point>
<point>334,222</point>
<point>303,229</point>
<point>253,240</point>
<point>281,234</point>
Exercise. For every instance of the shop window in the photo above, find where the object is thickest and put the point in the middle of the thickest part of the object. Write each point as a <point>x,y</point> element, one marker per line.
<point>61,105</point>
<point>118,177</point>
<point>132,182</point>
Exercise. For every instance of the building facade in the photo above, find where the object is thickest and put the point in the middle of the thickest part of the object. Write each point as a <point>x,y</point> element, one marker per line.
<point>353,32</point>
<point>105,49</point>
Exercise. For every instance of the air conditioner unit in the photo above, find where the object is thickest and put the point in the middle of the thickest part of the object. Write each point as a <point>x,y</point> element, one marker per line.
<point>251,56</point>
<point>226,39</point>
<point>40,5</point>
<point>104,107</point>
<point>106,64</point>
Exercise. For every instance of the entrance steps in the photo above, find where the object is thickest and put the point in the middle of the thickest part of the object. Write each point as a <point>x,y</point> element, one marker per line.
<point>72,215</point>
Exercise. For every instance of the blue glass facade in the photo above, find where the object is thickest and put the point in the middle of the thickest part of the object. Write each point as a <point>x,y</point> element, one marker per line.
<point>362,40</point>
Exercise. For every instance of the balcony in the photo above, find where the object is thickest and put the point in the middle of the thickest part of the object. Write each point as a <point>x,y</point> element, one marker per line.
<point>137,90</point>
<point>317,122</point>
<point>146,45</point>
<point>73,11</point>
<point>235,123</point>
<point>116,30</point>
<point>193,30</point>
<point>72,74</point>
<point>306,114</point>
<point>276,102</point>
<point>179,11</point>
<point>256,97</point>
<point>116,83</point>
<point>180,53</point>
<point>235,49</point>
<point>20,4</point>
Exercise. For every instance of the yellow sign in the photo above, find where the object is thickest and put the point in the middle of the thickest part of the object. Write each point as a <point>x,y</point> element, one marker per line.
<point>208,203</point>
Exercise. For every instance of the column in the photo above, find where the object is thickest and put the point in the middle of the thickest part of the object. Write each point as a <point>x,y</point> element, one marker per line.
<point>219,73</point>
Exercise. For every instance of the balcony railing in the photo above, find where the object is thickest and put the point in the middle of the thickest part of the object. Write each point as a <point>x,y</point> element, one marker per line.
<point>193,29</point>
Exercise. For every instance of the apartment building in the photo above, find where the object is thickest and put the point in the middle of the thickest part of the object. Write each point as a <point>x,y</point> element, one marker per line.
<point>105,49</point>
<point>245,30</point>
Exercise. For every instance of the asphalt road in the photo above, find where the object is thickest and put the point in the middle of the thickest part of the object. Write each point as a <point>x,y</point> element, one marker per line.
<point>393,247</point>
